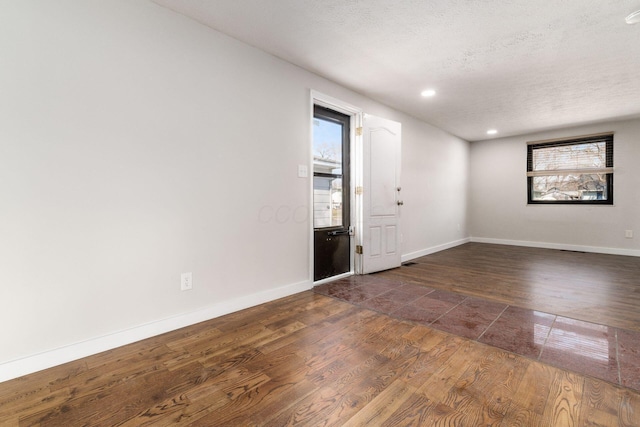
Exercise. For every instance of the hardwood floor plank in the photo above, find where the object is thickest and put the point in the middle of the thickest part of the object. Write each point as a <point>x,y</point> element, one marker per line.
<point>112,406</point>
<point>383,405</point>
<point>629,409</point>
<point>413,412</point>
<point>563,402</point>
<point>311,359</point>
<point>33,392</point>
<point>281,402</point>
<point>530,397</point>
<point>596,288</point>
<point>344,324</point>
<point>492,382</point>
<point>599,404</point>
<point>433,358</point>
<point>305,411</point>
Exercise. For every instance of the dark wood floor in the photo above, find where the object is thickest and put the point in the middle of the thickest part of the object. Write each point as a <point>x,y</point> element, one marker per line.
<point>598,288</point>
<point>314,360</point>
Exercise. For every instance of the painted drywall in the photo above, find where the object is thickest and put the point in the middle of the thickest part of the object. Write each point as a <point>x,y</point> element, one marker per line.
<point>137,144</point>
<point>499,212</point>
<point>435,180</point>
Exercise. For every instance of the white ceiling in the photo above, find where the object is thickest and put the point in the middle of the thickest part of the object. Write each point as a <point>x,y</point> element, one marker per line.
<point>518,66</point>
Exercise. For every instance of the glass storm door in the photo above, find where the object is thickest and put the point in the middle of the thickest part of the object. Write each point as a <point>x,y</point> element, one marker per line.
<point>331,210</point>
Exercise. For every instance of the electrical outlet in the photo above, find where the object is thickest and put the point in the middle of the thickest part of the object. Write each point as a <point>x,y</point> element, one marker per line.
<point>628,234</point>
<point>186,282</point>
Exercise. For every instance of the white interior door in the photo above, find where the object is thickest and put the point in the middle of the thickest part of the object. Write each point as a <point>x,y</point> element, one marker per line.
<point>381,194</point>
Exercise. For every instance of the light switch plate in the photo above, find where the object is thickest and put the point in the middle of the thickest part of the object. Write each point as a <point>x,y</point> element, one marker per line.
<point>303,171</point>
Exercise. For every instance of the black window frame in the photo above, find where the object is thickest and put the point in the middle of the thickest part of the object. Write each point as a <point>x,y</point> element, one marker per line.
<point>605,137</point>
<point>345,121</point>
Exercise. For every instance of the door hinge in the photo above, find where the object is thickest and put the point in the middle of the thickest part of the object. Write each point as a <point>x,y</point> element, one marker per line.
<point>359,131</point>
<point>359,249</point>
<point>358,190</point>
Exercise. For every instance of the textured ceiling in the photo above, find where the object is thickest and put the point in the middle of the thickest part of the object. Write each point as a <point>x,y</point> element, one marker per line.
<point>518,66</point>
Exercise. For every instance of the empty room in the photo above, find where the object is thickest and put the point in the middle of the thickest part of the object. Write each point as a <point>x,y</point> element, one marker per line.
<point>341,212</point>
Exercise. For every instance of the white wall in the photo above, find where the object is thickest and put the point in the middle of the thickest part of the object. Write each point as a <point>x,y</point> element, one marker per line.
<point>434,189</point>
<point>498,197</point>
<point>136,144</point>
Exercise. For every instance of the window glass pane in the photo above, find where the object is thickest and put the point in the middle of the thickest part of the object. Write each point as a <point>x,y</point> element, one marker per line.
<point>576,156</point>
<point>571,171</point>
<point>327,146</point>
<point>327,202</point>
<point>570,187</point>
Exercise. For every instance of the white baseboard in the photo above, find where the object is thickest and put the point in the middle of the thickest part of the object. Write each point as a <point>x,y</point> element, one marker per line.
<point>560,246</point>
<point>37,362</point>
<point>434,249</point>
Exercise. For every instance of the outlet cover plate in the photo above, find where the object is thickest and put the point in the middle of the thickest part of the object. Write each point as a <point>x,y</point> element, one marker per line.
<point>186,282</point>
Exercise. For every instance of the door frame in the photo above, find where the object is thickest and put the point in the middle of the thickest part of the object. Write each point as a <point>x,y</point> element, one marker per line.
<point>355,149</point>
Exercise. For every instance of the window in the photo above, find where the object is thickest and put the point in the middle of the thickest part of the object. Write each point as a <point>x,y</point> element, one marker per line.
<point>571,171</point>
<point>330,158</point>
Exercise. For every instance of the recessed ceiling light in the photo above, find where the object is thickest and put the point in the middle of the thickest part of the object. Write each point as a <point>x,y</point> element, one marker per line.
<point>428,93</point>
<point>492,132</point>
<point>634,18</point>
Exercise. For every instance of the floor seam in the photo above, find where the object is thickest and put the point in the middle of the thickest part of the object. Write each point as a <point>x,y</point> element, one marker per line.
<point>447,312</point>
<point>544,344</point>
<point>618,357</point>
<point>491,324</point>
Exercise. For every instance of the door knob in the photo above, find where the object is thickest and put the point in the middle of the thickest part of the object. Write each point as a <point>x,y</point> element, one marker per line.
<point>400,202</point>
